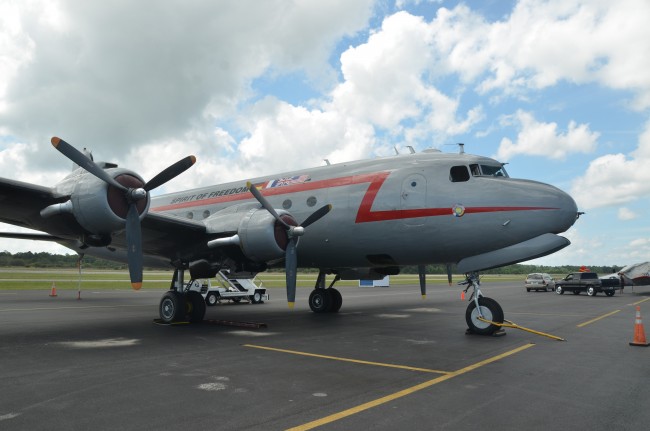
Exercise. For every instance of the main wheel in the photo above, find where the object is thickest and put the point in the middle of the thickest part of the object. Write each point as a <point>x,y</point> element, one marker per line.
<point>559,290</point>
<point>320,300</point>
<point>337,300</point>
<point>172,307</point>
<point>490,309</point>
<point>576,292</point>
<point>591,291</point>
<point>194,306</point>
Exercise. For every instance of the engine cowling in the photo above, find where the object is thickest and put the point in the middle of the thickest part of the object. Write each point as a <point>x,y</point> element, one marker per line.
<point>100,208</point>
<point>260,237</point>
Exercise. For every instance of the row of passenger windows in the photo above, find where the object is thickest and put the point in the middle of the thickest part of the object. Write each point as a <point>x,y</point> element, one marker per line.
<point>462,173</point>
<point>287,204</point>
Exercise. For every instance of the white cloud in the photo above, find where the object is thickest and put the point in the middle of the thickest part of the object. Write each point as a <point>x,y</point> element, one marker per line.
<point>385,83</point>
<point>128,74</point>
<point>626,214</point>
<point>544,139</point>
<point>542,43</point>
<point>619,179</point>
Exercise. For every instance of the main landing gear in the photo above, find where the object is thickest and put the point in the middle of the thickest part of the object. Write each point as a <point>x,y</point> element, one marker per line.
<point>180,304</point>
<point>482,313</point>
<point>325,300</point>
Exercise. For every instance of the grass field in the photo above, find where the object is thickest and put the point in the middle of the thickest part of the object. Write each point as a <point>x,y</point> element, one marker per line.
<point>20,278</point>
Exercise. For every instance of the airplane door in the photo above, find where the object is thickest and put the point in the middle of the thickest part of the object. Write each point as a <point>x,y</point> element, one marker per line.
<point>414,196</point>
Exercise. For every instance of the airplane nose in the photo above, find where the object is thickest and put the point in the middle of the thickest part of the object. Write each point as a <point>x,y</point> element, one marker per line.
<point>567,213</point>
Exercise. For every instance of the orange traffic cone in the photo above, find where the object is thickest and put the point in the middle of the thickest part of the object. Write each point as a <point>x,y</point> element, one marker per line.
<point>53,291</point>
<point>639,333</point>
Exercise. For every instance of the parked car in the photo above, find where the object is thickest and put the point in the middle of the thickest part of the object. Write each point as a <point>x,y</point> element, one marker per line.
<point>539,281</point>
<point>589,282</point>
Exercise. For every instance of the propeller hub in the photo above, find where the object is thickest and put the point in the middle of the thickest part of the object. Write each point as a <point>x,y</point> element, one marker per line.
<point>296,231</point>
<point>137,194</point>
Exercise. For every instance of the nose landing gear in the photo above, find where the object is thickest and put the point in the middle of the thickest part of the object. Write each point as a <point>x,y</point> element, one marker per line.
<point>483,314</point>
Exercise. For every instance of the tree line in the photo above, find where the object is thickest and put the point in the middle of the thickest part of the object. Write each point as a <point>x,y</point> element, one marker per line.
<point>49,260</point>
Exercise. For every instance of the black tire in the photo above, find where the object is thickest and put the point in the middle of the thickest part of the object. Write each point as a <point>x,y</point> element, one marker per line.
<point>172,307</point>
<point>559,290</point>
<point>211,299</point>
<point>194,306</point>
<point>337,300</point>
<point>491,311</point>
<point>591,291</point>
<point>610,292</point>
<point>256,298</point>
<point>320,300</point>
<point>527,290</point>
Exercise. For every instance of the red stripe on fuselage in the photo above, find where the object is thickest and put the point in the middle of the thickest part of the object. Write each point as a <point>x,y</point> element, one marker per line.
<point>365,213</point>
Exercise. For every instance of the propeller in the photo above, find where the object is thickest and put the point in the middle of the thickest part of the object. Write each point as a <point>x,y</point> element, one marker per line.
<point>132,195</point>
<point>293,234</point>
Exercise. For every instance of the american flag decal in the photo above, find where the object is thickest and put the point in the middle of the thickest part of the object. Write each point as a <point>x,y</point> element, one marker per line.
<point>281,182</point>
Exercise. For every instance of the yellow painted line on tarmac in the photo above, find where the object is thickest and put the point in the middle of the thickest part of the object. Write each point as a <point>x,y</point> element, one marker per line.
<point>597,319</point>
<point>356,361</point>
<point>404,392</point>
<point>639,302</point>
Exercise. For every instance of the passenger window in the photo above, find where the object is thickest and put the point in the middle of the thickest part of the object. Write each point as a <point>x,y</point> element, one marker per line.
<point>458,174</point>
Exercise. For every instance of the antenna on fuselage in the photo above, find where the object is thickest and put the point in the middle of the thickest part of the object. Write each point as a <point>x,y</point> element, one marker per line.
<point>411,149</point>
<point>396,152</point>
<point>461,148</point>
<point>327,161</point>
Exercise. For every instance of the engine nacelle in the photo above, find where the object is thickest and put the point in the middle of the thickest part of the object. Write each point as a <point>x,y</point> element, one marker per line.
<point>260,237</point>
<point>99,208</point>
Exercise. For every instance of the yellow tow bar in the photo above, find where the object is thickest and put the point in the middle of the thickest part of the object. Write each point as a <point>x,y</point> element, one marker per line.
<point>509,324</point>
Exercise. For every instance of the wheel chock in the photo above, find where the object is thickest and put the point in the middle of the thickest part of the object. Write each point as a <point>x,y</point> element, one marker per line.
<point>163,323</point>
<point>509,324</point>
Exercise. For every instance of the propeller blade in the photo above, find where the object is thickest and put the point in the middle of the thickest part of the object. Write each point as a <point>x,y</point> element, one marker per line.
<point>80,159</point>
<point>134,246</point>
<point>266,204</point>
<point>423,280</point>
<point>171,172</point>
<point>316,215</point>
<point>291,267</point>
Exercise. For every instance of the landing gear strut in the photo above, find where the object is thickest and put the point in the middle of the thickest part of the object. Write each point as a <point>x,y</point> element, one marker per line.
<point>481,310</point>
<point>325,300</point>
<point>179,305</point>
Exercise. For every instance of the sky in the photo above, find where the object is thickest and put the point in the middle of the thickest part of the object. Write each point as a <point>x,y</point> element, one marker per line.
<point>558,89</point>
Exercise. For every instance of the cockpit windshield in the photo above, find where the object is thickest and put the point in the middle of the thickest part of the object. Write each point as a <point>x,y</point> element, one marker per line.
<point>488,170</point>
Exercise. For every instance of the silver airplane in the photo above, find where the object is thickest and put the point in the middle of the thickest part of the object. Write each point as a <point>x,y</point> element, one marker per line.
<point>363,219</point>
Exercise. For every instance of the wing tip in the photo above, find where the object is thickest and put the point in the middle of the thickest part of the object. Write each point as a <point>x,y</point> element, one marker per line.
<point>55,141</point>
<point>291,305</point>
<point>136,286</point>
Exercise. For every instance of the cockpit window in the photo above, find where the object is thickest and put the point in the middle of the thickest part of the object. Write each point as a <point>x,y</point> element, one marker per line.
<point>458,174</point>
<point>488,170</point>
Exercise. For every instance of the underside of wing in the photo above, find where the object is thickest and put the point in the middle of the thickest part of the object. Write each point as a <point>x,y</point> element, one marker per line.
<point>21,203</point>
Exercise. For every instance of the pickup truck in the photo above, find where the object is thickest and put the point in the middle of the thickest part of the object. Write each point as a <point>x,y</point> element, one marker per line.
<point>589,282</point>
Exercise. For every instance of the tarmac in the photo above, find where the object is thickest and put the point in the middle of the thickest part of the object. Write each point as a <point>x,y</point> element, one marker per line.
<point>388,360</point>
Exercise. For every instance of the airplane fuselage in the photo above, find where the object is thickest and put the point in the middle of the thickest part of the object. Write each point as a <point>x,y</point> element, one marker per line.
<point>403,210</point>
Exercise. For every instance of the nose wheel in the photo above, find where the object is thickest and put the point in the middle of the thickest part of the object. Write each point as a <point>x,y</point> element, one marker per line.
<point>483,315</point>
<point>489,310</point>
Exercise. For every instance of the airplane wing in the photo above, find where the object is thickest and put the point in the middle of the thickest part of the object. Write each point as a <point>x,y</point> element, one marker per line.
<point>21,203</point>
<point>162,235</point>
